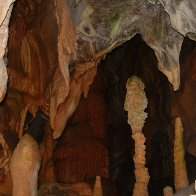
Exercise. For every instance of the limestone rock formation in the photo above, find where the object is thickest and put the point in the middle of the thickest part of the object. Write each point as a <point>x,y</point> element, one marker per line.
<point>97,35</point>
<point>5,9</point>
<point>94,31</point>
<point>181,179</point>
<point>56,189</point>
<point>24,167</point>
<point>168,191</point>
<point>98,187</point>
<point>181,16</point>
<point>54,49</point>
<point>81,152</point>
<point>135,104</point>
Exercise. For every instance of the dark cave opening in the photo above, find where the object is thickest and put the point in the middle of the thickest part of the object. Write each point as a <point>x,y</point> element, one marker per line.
<point>97,138</point>
<point>99,125</point>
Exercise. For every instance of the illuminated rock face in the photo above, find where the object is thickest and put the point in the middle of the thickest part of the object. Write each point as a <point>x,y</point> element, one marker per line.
<point>76,33</point>
<point>135,104</point>
<point>24,167</point>
<point>53,55</point>
<point>5,13</point>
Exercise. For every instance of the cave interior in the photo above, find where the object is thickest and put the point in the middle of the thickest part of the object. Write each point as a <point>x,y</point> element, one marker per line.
<point>64,122</point>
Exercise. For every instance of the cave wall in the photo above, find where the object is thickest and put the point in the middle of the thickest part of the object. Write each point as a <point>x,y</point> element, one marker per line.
<point>32,59</point>
<point>136,58</point>
<point>44,50</point>
<point>81,152</point>
<point>184,100</point>
<point>54,49</point>
<point>5,13</point>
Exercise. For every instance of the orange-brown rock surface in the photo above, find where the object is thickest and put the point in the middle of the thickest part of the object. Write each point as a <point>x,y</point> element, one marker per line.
<point>135,104</point>
<point>53,52</point>
<point>81,152</point>
<point>184,99</point>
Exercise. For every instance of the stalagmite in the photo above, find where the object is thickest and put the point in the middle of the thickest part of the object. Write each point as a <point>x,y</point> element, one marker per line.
<point>181,179</point>
<point>135,104</point>
<point>24,167</point>
<point>168,191</point>
<point>97,188</point>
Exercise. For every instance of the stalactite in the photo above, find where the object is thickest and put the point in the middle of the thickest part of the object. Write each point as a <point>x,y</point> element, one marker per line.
<point>81,159</point>
<point>181,179</point>
<point>53,188</point>
<point>6,154</point>
<point>135,104</point>
<point>82,79</point>
<point>65,47</point>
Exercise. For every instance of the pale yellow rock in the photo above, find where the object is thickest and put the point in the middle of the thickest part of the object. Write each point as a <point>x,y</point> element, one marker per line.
<point>83,189</point>
<point>135,104</point>
<point>24,167</point>
<point>97,187</point>
<point>168,191</point>
<point>180,176</point>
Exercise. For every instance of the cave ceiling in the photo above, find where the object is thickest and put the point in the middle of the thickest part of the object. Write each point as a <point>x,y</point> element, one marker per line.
<point>76,35</point>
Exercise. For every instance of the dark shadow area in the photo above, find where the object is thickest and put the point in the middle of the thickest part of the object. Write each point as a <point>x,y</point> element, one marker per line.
<point>136,58</point>
<point>97,139</point>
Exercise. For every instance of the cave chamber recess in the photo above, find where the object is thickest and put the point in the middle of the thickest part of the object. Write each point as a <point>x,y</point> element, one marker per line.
<point>100,122</point>
<point>75,111</point>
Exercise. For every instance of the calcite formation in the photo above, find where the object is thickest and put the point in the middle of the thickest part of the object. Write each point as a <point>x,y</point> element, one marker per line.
<point>5,13</point>
<point>24,167</point>
<point>168,191</point>
<point>81,152</point>
<point>54,50</point>
<point>97,35</point>
<point>184,100</point>
<point>80,33</point>
<point>181,16</point>
<point>135,104</point>
<point>180,177</point>
<point>98,187</point>
<point>188,191</point>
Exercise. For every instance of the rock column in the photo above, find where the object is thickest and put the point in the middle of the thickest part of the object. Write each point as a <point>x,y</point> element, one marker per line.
<point>135,104</point>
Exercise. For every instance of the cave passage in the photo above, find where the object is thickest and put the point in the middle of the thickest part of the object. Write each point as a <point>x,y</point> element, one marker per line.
<point>136,58</point>
<point>97,139</point>
<point>66,89</point>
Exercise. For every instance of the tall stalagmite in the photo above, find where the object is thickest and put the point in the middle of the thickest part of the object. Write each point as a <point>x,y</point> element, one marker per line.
<point>24,167</point>
<point>97,187</point>
<point>181,179</point>
<point>135,104</point>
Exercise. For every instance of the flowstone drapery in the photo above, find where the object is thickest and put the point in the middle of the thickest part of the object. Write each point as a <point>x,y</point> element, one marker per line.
<point>135,104</point>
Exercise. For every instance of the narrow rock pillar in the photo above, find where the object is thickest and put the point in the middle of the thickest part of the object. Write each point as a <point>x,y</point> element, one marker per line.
<point>135,104</point>
<point>180,176</point>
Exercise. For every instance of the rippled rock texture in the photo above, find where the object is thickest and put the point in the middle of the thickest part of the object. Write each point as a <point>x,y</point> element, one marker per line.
<point>55,46</point>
